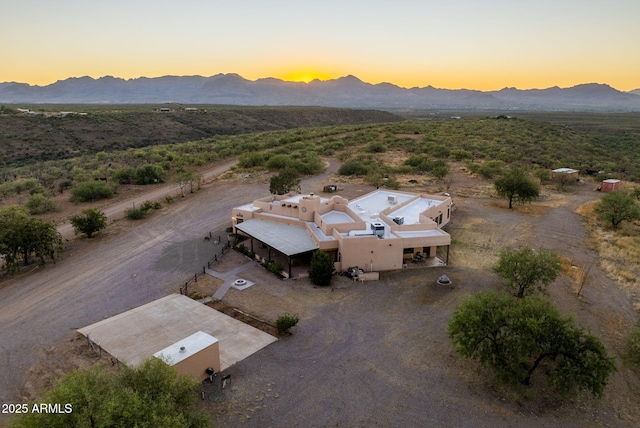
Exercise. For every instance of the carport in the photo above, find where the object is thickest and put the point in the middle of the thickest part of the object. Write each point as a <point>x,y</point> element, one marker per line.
<point>288,240</point>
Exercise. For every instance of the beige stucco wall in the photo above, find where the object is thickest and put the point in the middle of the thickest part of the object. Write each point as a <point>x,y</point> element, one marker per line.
<point>197,364</point>
<point>362,251</point>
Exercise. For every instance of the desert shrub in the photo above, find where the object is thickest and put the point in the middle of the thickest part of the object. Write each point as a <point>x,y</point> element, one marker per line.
<point>149,174</point>
<point>64,184</point>
<point>168,199</point>
<point>459,154</point>
<point>278,162</point>
<point>91,191</point>
<point>354,167</point>
<point>40,204</point>
<point>275,267</point>
<point>247,252</point>
<point>251,160</point>
<point>141,212</point>
<point>491,169</point>
<point>286,321</point>
<point>542,174</point>
<point>135,213</point>
<point>38,190</point>
<point>376,147</point>
<point>124,175</point>
<point>148,205</point>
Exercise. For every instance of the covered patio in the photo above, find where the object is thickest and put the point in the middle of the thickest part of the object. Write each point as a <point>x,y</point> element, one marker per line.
<point>287,240</point>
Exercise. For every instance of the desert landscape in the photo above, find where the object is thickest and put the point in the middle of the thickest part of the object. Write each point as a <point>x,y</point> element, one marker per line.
<point>363,354</point>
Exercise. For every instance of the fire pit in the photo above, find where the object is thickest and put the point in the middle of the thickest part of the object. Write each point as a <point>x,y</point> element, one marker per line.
<point>443,280</point>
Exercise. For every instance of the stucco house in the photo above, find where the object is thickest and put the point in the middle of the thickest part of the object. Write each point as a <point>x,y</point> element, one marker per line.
<point>382,230</point>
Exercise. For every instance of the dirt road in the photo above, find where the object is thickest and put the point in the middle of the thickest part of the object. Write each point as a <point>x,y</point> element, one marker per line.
<point>116,211</point>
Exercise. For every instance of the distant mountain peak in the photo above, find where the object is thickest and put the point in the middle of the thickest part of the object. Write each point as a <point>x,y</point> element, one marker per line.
<point>346,91</point>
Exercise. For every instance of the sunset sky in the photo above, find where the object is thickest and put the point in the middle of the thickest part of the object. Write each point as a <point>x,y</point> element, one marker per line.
<point>471,44</point>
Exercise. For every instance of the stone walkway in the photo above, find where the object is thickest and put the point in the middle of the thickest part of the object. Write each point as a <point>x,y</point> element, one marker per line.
<point>228,278</point>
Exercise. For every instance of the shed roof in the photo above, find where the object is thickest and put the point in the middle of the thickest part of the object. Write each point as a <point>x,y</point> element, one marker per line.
<point>288,239</point>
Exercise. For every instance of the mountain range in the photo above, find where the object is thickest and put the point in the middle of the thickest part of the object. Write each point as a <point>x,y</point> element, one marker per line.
<point>349,91</point>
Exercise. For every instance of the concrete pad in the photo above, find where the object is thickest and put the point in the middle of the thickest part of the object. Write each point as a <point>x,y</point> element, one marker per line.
<point>136,335</point>
<point>244,286</point>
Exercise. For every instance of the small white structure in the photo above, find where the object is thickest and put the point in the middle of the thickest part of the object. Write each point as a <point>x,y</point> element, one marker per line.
<point>193,355</point>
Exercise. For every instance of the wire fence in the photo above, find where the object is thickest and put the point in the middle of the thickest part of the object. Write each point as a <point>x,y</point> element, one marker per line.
<point>222,244</point>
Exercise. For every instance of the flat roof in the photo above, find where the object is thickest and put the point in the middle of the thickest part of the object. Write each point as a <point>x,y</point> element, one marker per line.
<point>288,239</point>
<point>319,234</point>
<point>411,211</point>
<point>420,233</point>
<point>565,170</point>
<point>247,207</point>
<point>137,334</point>
<point>611,180</point>
<point>373,203</point>
<point>185,348</point>
<point>337,217</point>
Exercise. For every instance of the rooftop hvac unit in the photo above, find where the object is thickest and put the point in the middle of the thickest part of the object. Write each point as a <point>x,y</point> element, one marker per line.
<point>392,199</point>
<point>377,228</point>
<point>398,220</point>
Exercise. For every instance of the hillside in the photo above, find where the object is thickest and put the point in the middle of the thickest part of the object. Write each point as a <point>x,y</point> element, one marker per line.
<point>49,135</point>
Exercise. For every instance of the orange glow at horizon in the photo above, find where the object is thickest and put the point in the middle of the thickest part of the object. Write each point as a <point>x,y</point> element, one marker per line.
<point>305,76</point>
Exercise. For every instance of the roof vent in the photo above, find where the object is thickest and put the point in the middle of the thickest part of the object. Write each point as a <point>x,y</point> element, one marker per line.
<point>183,349</point>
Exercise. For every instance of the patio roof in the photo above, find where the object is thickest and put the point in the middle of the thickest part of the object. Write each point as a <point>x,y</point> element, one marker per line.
<point>285,238</point>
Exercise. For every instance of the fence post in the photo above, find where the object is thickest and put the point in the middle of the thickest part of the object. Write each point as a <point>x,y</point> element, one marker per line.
<point>195,278</point>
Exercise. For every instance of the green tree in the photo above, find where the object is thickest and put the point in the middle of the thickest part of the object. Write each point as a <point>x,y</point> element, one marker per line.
<point>321,269</point>
<point>89,222</point>
<point>375,178</point>
<point>439,172</point>
<point>527,270</point>
<point>284,182</point>
<point>516,187</point>
<point>515,337</point>
<point>616,207</point>
<point>152,395</point>
<point>186,177</point>
<point>23,237</point>
<point>542,174</point>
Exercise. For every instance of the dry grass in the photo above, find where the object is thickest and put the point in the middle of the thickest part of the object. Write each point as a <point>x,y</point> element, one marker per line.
<point>576,273</point>
<point>619,249</point>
